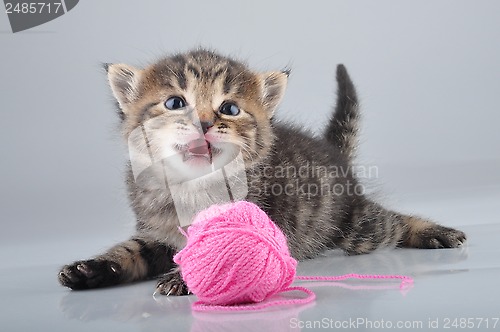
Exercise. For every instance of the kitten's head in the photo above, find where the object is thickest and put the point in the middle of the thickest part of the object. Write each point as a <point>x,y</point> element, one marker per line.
<point>197,110</point>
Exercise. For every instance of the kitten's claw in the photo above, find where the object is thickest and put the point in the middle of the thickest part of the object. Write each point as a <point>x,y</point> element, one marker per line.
<point>171,284</point>
<point>439,237</point>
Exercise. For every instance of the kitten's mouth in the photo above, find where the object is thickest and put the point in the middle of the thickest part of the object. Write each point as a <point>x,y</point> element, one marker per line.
<point>198,148</point>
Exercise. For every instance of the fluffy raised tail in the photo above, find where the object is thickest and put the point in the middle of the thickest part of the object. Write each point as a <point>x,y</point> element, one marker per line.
<point>343,126</point>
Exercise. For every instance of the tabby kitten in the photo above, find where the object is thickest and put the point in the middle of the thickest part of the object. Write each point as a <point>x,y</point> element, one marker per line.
<point>187,116</point>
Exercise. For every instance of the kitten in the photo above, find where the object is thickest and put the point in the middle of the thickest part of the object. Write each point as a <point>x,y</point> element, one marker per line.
<point>186,117</point>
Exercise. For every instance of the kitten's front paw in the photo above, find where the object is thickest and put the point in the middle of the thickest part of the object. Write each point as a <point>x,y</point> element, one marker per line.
<point>90,274</point>
<point>172,284</point>
<point>437,237</point>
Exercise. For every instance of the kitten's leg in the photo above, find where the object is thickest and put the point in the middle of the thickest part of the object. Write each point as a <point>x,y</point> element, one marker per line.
<point>371,227</point>
<point>135,259</point>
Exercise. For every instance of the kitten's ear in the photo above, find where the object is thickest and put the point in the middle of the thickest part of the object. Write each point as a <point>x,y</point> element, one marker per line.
<point>273,88</point>
<point>124,81</point>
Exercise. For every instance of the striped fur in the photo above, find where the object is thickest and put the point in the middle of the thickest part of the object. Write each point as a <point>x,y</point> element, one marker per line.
<point>343,127</point>
<point>289,172</point>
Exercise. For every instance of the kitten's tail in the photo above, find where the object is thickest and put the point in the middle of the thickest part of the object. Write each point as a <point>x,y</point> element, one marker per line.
<point>343,127</point>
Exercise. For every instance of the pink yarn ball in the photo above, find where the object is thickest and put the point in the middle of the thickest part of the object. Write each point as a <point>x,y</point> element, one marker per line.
<point>235,255</point>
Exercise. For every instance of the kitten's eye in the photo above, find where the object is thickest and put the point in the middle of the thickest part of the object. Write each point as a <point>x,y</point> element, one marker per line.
<point>174,103</point>
<point>229,109</point>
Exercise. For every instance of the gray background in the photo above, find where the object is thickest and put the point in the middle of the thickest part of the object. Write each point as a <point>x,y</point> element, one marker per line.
<point>427,72</point>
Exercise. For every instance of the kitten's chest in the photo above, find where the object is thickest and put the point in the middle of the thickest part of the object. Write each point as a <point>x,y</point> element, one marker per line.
<point>189,199</point>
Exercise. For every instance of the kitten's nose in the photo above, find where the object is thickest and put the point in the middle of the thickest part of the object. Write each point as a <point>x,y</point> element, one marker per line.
<point>205,125</point>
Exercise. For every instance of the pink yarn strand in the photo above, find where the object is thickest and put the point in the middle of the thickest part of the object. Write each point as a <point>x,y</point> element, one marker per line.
<point>200,306</point>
